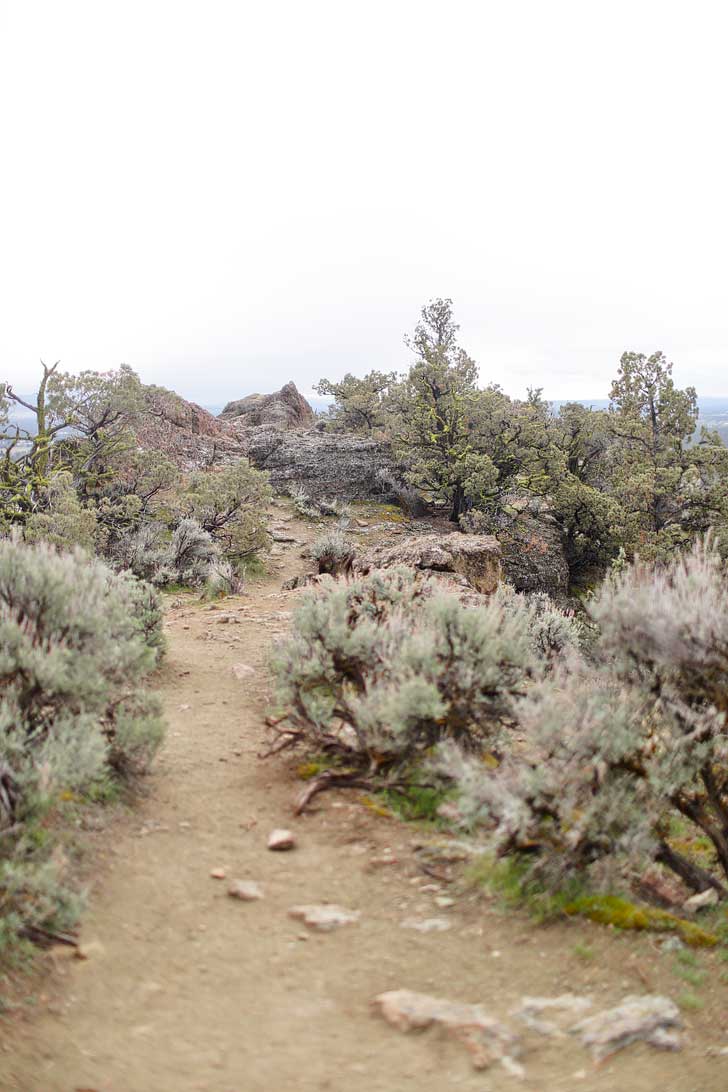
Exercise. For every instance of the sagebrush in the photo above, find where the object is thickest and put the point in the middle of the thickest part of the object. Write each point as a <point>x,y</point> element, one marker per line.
<point>76,643</point>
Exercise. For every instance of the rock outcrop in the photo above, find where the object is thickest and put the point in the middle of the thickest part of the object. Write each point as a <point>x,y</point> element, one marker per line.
<point>286,408</point>
<point>532,544</point>
<point>533,555</point>
<point>185,432</point>
<point>324,464</point>
<point>476,558</point>
<point>275,431</point>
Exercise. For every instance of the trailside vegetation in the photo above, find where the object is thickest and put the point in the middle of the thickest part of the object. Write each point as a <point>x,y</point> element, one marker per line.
<point>77,642</point>
<point>381,669</point>
<point>638,477</point>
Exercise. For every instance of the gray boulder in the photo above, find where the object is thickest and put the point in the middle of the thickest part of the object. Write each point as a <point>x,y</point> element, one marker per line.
<point>533,555</point>
<point>286,408</point>
<point>324,464</point>
<point>474,558</point>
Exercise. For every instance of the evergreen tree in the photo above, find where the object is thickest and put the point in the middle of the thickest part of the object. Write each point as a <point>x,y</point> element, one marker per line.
<point>669,487</point>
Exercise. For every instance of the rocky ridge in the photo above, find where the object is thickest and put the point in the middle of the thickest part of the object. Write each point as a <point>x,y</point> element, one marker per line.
<point>277,432</point>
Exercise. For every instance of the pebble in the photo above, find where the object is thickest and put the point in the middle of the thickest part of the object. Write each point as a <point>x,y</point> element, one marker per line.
<point>324,918</point>
<point>444,901</point>
<point>242,671</point>
<point>280,839</point>
<point>217,873</point>
<point>245,890</point>
<point>426,925</point>
<point>698,902</point>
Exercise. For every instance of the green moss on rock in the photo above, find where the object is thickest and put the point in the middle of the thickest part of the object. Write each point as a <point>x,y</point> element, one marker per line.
<point>612,910</point>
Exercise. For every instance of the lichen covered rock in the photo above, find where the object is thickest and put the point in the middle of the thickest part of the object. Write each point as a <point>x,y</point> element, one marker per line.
<point>477,558</point>
<point>286,408</point>
<point>323,464</point>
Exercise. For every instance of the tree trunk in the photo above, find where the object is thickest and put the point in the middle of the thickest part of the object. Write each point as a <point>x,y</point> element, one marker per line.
<point>458,505</point>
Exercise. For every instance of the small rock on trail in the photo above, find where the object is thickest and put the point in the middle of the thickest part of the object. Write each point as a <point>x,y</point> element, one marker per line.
<point>245,890</point>
<point>280,840</point>
<point>243,671</point>
<point>427,925</point>
<point>486,1039</point>
<point>324,918</point>
<point>531,1009</point>
<point>647,1018</point>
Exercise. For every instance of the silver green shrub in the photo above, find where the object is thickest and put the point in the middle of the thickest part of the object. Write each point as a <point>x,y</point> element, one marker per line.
<point>554,632</point>
<point>616,749</point>
<point>565,799</point>
<point>188,556</point>
<point>380,669</point>
<point>333,553</point>
<point>409,499</point>
<point>76,643</point>
<point>142,551</point>
<point>303,504</point>
<point>191,553</point>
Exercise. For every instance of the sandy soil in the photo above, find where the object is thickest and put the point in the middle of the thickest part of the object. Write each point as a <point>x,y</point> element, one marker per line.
<point>188,990</point>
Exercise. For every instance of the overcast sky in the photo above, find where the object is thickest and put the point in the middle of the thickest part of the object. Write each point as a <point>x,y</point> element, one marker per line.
<point>228,195</point>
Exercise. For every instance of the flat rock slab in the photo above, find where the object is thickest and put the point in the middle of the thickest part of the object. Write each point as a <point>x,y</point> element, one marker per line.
<point>531,1010</point>
<point>325,918</point>
<point>427,925</point>
<point>647,1018</point>
<point>485,1038</point>
<point>245,890</point>
<point>477,558</point>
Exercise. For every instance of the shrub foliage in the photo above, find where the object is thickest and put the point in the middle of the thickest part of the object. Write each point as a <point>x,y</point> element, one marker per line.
<point>381,669</point>
<point>76,642</point>
<point>622,750</point>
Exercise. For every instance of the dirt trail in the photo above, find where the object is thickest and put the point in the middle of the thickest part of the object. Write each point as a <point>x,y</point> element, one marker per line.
<point>191,991</point>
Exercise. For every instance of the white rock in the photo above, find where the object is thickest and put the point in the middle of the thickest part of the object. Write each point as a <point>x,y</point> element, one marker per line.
<point>280,839</point>
<point>647,1018</point>
<point>703,899</point>
<point>242,671</point>
<point>324,918</point>
<point>531,1008</point>
<point>426,925</point>
<point>485,1038</point>
<point>245,890</point>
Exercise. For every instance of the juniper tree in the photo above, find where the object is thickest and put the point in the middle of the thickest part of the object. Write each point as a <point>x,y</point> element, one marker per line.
<point>360,405</point>
<point>431,412</point>
<point>670,488</point>
<point>90,413</point>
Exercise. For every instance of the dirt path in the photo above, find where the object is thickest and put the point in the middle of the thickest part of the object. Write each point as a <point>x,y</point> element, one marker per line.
<point>188,990</point>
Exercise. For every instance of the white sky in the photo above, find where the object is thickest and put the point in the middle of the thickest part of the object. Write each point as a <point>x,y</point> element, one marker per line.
<point>228,195</point>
